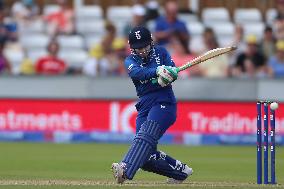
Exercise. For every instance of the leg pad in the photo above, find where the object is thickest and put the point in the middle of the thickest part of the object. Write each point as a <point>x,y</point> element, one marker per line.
<point>143,144</point>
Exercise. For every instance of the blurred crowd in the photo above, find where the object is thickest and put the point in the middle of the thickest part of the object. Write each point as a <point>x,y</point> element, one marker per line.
<point>254,58</point>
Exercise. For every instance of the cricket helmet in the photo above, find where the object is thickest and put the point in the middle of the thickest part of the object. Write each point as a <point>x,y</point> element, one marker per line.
<point>139,37</point>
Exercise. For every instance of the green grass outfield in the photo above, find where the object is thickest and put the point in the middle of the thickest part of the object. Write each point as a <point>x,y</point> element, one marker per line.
<point>87,166</point>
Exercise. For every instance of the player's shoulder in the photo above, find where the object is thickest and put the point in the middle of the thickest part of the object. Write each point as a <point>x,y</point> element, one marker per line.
<point>131,60</point>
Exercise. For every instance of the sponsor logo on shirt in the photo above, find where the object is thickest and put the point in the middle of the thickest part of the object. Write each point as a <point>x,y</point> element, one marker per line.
<point>144,82</point>
<point>158,61</point>
<point>130,67</point>
<point>157,58</point>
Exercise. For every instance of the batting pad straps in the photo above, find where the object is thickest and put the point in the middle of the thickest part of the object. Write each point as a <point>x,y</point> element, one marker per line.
<point>143,144</point>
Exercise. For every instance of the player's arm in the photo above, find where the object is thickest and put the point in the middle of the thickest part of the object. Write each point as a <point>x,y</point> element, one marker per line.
<point>138,72</point>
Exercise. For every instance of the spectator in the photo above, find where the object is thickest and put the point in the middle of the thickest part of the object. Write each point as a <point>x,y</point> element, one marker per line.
<point>96,51</point>
<point>105,44</point>
<point>217,67</point>
<point>278,23</point>
<point>198,46</point>
<point>107,63</point>
<point>25,11</point>
<point>115,57</point>
<point>61,22</point>
<point>181,54</point>
<point>138,19</point>
<point>276,62</point>
<point>170,24</point>
<point>257,61</point>
<point>13,47</point>
<point>152,10</point>
<point>239,39</point>
<point>207,35</point>
<point>109,37</point>
<point>120,53</point>
<point>27,67</point>
<point>4,63</point>
<point>14,52</point>
<point>8,28</point>
<point>267,45</point>
<point>51,64</point>
<point>96,65</point>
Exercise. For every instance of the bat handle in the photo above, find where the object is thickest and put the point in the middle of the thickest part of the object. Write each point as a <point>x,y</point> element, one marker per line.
<point>155,80</point>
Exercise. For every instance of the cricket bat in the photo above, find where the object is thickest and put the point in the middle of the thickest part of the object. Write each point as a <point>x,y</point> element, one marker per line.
<point>202,58</point>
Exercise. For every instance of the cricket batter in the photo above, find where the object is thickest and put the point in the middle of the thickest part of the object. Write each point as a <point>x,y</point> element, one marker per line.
<point>156,110</point>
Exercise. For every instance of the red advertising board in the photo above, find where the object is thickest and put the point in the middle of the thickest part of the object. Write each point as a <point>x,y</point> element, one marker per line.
<point>119,116</point>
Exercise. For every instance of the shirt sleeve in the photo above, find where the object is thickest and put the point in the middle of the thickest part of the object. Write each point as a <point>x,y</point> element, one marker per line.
<point>137,72</point>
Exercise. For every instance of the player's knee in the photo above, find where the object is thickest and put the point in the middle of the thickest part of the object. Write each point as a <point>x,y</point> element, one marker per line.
<point>149,132</point>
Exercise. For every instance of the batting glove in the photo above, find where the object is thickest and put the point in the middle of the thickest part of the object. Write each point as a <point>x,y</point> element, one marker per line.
<point>165,74</point>
<point>173,71</point>
<point>162,82</point>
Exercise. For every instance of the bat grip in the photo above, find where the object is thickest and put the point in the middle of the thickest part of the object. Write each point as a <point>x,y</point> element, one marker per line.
<point>155,80</point>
